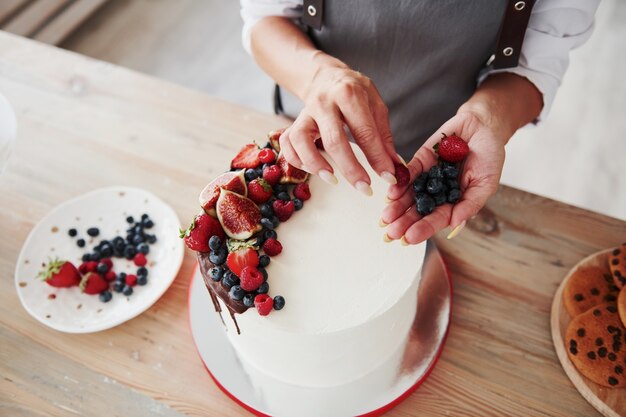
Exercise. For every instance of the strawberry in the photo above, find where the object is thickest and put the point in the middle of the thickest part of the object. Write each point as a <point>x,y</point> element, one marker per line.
<point>140,258</point>
<point>58,273</point>
<point>272,174</point>
<point>251,278</point>
<point>259,190</point>
<point>272,247</point>
<point>131,280</point>
<point>283,209</point>
<point>93,283</point>
<point>239,259</point>
<point>248,157</point>
<point>200,231</point>
<point>403,176</point>
<point>452,148</point>
<point>264,304</point>
<point>267,156</point>
<point>302,191</point>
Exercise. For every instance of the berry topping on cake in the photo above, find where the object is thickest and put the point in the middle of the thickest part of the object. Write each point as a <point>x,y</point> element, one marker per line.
<point>272,247</point>
<point>259,190</point>
<point>232,181</point>
<point>267,156</point>
<point>239,216</point>
<point>58,273</point>
<point>248,157</point>
<point>197,235</point>
<point>273,138</point>
<point>302,191</point>
<point>251,278</point>
<point>264,304</point>
<point>272,174</point>
<point>238,259</point>
<point>236,292</point>
<point>283,209</point>
<point>403,176</point>
<point>452,148</point>
<point>93,283</point>
<point>290,174</point>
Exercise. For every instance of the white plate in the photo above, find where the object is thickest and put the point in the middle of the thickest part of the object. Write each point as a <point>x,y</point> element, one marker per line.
<point>71,311</point>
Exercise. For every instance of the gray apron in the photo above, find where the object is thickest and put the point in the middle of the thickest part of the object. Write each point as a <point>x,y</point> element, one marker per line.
<point>424,56</point>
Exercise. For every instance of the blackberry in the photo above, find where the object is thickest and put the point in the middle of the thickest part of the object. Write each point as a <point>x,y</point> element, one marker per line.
<point>72,232</point>
<point>264,261</point>
<point>434,186</point>
<point>80,243</point>
<point>419,185</point>
<point>248,300</point>
<point>266,210</point>
<point>218,257</point>
<point>263,289</point>
<point>105,296</point>
<point>216,273</point>
<point>279,302</point>
<point>454,195</point>
<point>424,204</point>
<point>435,172</point>
<point>93,231</point>
<point>298,204</point>
<point>236,292</point>
<point>215,242</point>
<point>267,223</point>
<point>283,195</point>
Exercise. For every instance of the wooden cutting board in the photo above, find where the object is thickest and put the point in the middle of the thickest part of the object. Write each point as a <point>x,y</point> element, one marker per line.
<point>610,402</point>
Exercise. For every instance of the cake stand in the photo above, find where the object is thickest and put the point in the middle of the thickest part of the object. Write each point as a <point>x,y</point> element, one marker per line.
<point>426,341</point>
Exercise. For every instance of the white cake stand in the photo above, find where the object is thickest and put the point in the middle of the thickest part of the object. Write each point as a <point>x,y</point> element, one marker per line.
<point>424,347</point>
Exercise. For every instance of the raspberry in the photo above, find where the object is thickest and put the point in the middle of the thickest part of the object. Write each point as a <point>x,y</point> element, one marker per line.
<point>82,268</point>
<point>251,278</point>
<point>267,156</point>
<point>108,262</point>
<point>403,176</point>
<point>283,209</point>
<point>302,191</point>
<point>264,304</point>
<point>109,275</point>
<point>91,266</point>
<point>140,259</point>
<point>131,280</point>
<point>272,247</point>
<point>272,174</point>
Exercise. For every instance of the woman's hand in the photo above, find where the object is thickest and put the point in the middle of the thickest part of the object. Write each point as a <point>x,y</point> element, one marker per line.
<point>479,180</point>
<point>339,96</point>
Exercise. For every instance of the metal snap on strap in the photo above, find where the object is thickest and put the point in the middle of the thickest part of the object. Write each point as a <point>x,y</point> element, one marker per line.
<point>520,5</point>
<point>312,11</point>
<point>508,51</point>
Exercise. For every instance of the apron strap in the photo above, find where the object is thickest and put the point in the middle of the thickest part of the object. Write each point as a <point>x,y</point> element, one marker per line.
<point>312,12</point>
<point>511,36</point>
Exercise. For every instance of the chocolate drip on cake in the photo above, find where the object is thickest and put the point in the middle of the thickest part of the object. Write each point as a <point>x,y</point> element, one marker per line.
<point>216,289</point>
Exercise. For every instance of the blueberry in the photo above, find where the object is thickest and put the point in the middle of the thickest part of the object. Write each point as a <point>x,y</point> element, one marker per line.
<point>266,210</point>
<point>143,248</point>
<point>283,195</point>
<point>137,239</point>
<point>102,268</point>
<point>248,300</point>
<point>264,261</point>
<point>435,172</point>
<point>128,290</point>
<point>424,204</point>
<point>72,232</point>
<point>267,223</point>
<point>454,195</point>
<point>280,188</point>
<point>117,240</point>
<point>452,183</point>
<point>218,257</point>
<point>419,184</point>
<point>105,296</point>
<point>148,224</point>
<point>93,231</point>
<point>86,257</point>
<point>144,216</point>
<point>130,219</point>
<point>263,289</point>
<point>107,251</point>
<point>236,293</point>
<point>440,198</point>
<point>80,243</point>
<point>129,252</point>
<point>215,242</point>
<point>118,251</point>
<point>142,271</point>
<point>118,286</point>
<point>151,239</point>
<point>216,273</point>
<point>251,174</point>
<point>275,221</point>
<point>450,171</point>
<point>229,279</point>
<point>264,273</point>
<point>260,240</point>
<point>279,302</point>
<point>121,276</point>
<point>269,234</point>
<point>96,256</point>
<point>298,204</point>
<point>434,185</point>
<point>142,280</point>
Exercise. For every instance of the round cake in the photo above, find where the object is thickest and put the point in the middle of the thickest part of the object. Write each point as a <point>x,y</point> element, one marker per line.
<point>350,301</point>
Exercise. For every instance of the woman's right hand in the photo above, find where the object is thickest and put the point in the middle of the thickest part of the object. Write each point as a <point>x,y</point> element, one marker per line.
<point>338,96</point>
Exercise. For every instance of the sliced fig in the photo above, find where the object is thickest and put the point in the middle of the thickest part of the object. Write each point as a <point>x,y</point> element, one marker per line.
<point>290,174</point>
<point>273,137</point>
<point>233,181</point>
<point>239,216</point>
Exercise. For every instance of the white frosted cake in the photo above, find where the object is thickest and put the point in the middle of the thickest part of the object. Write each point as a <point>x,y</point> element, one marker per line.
<point>350,301</point>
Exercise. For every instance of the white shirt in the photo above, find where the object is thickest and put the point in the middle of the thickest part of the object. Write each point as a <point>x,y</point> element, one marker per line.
<point>555,28</point>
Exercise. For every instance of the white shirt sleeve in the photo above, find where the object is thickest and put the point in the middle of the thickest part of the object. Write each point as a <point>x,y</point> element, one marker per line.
<point>254,10</point>
<point>555,28</point>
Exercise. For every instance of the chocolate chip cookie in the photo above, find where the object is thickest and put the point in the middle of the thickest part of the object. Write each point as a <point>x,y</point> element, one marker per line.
<point>588,286</point>
<point>617,264</point>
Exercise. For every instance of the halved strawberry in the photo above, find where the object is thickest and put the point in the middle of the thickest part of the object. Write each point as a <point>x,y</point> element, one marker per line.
<point>239,259</point>
<point>248,157</point>
<point>58,273</point>
<point>93,283</point>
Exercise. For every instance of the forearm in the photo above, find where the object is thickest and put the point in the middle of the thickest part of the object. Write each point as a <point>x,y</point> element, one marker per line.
<point>287,55</point>
<point>505,102</point>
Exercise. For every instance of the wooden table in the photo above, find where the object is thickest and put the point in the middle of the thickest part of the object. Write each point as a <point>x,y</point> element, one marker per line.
<point>85,124</point>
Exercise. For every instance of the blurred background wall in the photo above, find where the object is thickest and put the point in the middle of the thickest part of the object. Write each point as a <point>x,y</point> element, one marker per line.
<point>578,155</point>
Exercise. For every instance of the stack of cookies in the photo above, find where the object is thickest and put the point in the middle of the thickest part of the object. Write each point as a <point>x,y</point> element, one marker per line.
<point>595,298</point>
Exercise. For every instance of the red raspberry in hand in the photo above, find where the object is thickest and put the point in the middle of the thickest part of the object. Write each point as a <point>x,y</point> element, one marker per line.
<point>264,304</point>
<point>272,247</point>
<point>302,191</point>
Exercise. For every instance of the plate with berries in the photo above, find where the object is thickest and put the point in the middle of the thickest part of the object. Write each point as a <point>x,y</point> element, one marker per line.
<point>99,260</point>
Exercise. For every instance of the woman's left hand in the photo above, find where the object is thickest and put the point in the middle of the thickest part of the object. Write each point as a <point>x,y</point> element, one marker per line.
<point>478,180</point>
